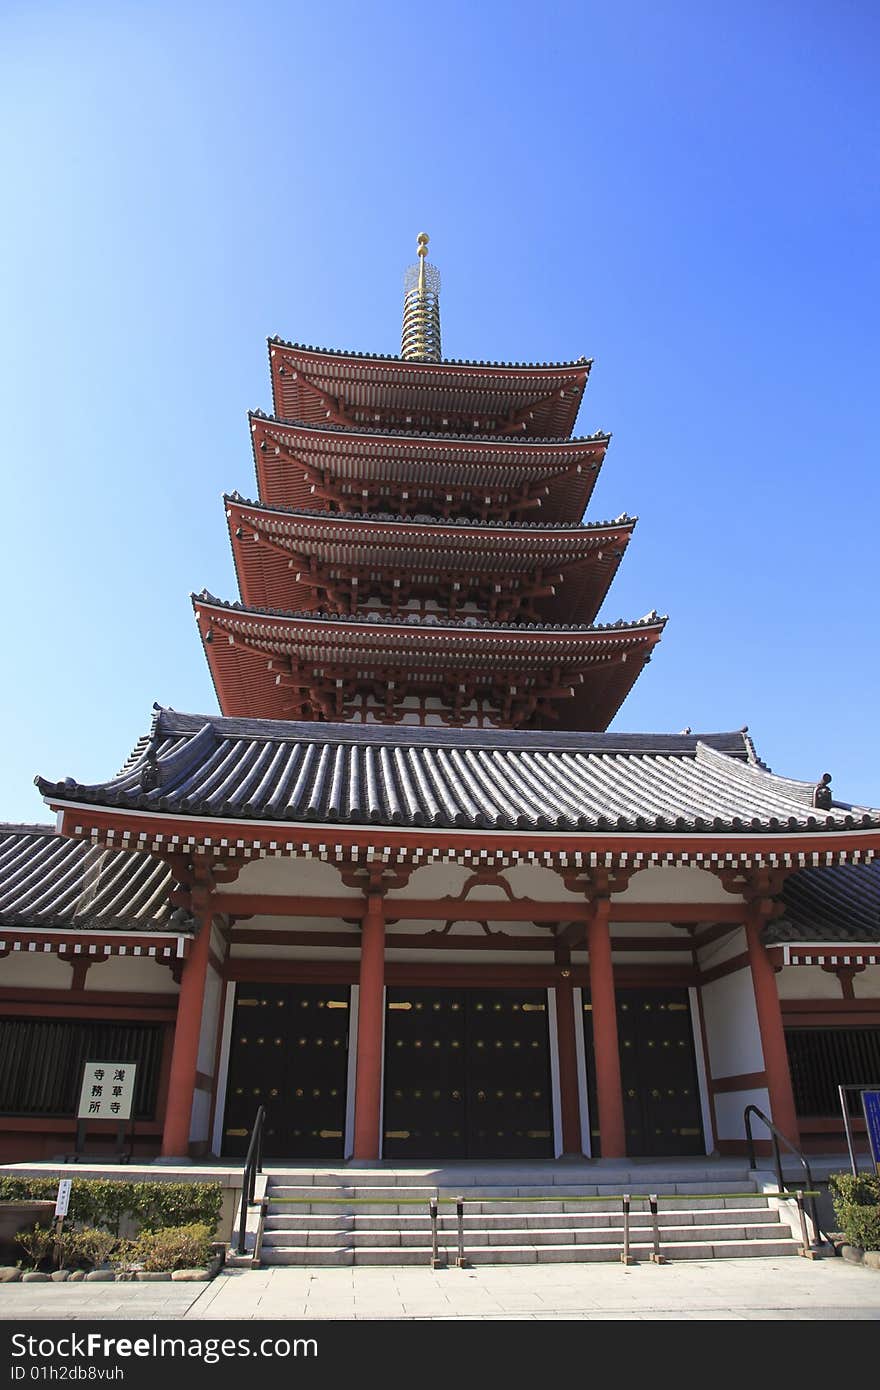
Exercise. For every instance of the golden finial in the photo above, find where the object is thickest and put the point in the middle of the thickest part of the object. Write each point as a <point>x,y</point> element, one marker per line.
<point>421,308</point>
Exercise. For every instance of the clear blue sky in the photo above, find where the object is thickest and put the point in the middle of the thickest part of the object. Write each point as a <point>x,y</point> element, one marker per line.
<point>687,192</point>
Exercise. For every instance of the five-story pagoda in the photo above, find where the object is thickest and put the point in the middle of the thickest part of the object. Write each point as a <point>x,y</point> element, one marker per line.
<point>417,554</point>
<point>406,892</point>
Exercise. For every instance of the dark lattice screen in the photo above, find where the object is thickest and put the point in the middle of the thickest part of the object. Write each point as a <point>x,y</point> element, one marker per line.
<point>821,1059</point>
<point>41,1062</point>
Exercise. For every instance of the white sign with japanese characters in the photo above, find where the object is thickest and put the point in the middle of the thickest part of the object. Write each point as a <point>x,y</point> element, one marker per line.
<point>107,1091</point>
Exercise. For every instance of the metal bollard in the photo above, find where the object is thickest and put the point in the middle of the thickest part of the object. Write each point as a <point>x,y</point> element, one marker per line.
<point>656,1257</point>
<point>435,1257</point>
<point>625,1257</point>
<point>459,1212</point>
<point>806,1248</point>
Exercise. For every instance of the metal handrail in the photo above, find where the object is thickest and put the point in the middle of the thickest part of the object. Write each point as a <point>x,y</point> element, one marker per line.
<point>777,1135</point>
<point>253,1165</point>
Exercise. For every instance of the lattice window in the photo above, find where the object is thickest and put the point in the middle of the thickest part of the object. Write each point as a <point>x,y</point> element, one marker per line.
<point>821,1059</point>
<point>41,1062</point>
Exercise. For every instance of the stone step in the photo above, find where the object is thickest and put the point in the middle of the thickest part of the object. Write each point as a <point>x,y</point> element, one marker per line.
<point>316,1192</point>
<point>520,1254</point>
<point>474,1206</point>
<point>550,1173</point>
<point>669,1235</point>
<point>377,1192</point>
<point>528,1219</point>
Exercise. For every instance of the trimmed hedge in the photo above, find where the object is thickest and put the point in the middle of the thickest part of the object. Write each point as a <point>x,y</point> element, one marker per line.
<point>856,1200</point>
<point>106,1203</point>
<point>173,1247</point>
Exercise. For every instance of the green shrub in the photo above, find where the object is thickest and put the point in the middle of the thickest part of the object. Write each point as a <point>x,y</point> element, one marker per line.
<point>856,1200</point>
<point>105,1202</point>
<point>85,1247</point>
<point>863,1189</point>
<point>171,1247</point>
<point>38,1244</point>
<point>860,1226</point>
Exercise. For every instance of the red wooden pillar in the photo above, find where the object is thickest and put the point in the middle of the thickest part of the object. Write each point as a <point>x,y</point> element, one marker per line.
<point>568,1078</point>
<point>185,1052</point>
<point>368,1082</point>
<point>782,1108</point>
<point>609,1096</point>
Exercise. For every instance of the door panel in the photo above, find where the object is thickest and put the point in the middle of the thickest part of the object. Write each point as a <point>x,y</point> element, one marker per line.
<point>289,1052</point>
<point>467,1074</point>
<point>661,1101</point>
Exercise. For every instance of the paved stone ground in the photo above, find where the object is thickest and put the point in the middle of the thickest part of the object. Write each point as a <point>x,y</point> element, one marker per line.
<point>744,1289</point>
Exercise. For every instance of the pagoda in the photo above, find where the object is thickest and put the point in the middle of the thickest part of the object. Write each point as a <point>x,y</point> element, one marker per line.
<point>416,553</point>
<point>407,895</point>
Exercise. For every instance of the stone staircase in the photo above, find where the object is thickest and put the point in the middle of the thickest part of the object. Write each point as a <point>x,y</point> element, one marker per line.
<point>381,1217</point>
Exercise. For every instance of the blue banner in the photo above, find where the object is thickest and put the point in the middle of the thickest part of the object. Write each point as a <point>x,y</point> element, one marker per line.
<point>871,1107</point>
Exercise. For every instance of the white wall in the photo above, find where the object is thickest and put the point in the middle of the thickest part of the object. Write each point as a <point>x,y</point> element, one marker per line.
<point>731,1018</point>
<point>807,982</point>
<point>32,970</point>
<point>867,984</point>
<point>729,1108</point>
<point>134,974</point>
<point>678,883</point>
<point>201,1111</point>
<point>310,877</point>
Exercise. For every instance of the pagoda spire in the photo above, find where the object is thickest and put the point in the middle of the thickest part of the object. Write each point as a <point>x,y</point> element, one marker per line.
<point>420,341</point>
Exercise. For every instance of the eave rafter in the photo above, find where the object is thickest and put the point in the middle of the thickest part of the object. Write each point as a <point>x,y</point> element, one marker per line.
<point>391,849</point>
<point>291,666</point>
<point>289,560</point>
<point>487,398</point>
<point>349,471</point>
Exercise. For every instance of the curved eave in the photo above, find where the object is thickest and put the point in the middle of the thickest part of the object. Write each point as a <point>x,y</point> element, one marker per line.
<point>250,656</point>
<point>301,467</point>
<point>271,547</point>
<point>315,385</point>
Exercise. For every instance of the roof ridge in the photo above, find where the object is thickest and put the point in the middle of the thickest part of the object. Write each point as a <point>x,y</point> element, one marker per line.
<point>172,721</point>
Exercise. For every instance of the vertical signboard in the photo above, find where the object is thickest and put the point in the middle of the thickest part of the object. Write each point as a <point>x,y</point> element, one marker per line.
<point>871,1107</point>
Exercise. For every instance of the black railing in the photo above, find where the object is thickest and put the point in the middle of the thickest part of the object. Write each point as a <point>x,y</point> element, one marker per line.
<point>778,1137</point>
<point>253,1165</point>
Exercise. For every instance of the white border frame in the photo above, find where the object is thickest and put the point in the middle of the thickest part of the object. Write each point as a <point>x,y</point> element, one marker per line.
<point>700,1059</point>
<point>555,1089</point>
<point>351,1072</point>
<point>583,1088</point>
<point>223,1070</point>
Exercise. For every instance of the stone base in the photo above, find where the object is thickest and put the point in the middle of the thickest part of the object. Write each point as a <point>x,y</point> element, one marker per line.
<point>855,1255</point>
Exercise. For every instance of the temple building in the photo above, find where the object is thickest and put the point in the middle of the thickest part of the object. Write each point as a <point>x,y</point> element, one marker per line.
<point>406,890</point>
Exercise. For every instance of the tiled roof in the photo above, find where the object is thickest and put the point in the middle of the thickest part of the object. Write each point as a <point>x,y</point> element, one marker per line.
<point>50,881</point>
<point>839,903</point>
<point>467,778</point>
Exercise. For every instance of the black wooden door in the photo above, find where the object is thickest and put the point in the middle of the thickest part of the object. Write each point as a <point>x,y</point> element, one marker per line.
<point>661,1100</point>
<point>289,1052</point>
<point>424,1112</point>
<point>467,1074</point>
